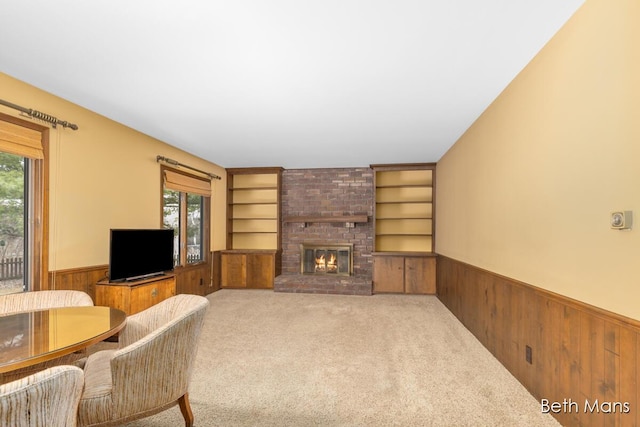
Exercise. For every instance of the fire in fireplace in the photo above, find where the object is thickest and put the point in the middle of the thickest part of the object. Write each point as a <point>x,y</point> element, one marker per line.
<point>326,259</point>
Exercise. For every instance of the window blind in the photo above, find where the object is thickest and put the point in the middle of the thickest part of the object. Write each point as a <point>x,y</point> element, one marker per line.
<point>186,184</point>
<point>20,140</point>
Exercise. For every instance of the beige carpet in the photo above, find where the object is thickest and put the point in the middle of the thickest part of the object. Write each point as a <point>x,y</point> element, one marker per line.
<point>277,359</point>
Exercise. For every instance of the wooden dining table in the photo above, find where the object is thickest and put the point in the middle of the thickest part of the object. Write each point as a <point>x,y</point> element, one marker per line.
<point>31,337</point>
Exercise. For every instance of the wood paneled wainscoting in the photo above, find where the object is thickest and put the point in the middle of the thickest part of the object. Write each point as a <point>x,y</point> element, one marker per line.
<point>198,279</point>
<point>585,358</point>
<point>78,279</point>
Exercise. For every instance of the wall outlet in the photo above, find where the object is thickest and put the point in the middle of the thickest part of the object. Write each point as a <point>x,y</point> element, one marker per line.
<point>528,355</point>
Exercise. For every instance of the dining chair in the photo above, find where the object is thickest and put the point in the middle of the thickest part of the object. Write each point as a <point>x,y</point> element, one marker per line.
<point>42,300</point>
<point>47,398</point>
<point>151,370</point>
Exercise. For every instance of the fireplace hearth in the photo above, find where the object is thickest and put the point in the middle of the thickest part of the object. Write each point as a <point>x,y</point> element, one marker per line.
<point>326,259</point>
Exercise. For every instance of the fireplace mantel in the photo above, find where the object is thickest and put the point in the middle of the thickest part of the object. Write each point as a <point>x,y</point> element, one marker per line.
<point>349,220</point>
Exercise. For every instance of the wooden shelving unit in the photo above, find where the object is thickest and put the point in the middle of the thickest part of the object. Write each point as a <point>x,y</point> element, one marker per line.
<point>253,227</point>
<point>404,211</point>
<point>253,209</point>
<point>404,226</point>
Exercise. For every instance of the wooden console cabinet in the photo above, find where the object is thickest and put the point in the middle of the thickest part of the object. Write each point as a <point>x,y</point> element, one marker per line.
<point>133,297</point>
<point>404,272</point>
<point>254,269</point>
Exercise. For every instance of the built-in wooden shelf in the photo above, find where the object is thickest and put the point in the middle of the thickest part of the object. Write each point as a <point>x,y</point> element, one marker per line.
<point>403,220</point>
<point>254,243</point>
<point>252,203</point>
<point>404,207</point>
<point>253,188</point>
<point>253,208</point>
<point>404,234</point>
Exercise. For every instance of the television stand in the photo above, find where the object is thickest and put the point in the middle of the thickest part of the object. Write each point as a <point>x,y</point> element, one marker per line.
<point>136,295</point>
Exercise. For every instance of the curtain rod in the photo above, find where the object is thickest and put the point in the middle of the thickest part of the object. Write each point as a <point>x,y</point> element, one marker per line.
<point>177,163</point>
<point>39,115</point>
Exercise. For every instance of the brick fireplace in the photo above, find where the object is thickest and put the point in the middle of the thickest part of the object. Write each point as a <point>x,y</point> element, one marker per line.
<point>327,208</point>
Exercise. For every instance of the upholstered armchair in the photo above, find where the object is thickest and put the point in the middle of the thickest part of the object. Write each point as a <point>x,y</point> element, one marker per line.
<point>41,300</point>
<point>151,369</point>
<point>47,398</point>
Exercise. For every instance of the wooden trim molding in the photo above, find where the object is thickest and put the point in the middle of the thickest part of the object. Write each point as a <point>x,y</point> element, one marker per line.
<point>579,353</point>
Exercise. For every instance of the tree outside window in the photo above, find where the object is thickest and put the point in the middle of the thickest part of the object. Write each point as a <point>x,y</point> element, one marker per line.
<point>24,200</point>
<point>171,219</point>
<point>12,214</point>
<point>195,252</point>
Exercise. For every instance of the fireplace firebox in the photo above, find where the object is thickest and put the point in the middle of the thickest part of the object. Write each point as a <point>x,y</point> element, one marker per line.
<point>327,259</point>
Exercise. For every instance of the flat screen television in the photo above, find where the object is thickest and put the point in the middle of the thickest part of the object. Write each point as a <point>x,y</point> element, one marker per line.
<point>139,253</point>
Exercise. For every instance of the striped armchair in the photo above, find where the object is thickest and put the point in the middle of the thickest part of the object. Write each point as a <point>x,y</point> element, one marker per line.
<point>47,398</point>
<point>152,368</point>
<point>41,300</point>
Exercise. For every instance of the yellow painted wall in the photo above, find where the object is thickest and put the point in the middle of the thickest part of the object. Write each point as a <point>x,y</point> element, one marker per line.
<point>102,176</point>
<point>527,191</point>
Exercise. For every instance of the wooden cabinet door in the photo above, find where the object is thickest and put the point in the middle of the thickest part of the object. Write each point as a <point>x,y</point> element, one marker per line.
<point>116,296</point>
<point>260,271</point>
<point>233,271</point>
<point>193,280</point>
<point>420,275</point>
<point>144,296</point>
<point>388,274</point>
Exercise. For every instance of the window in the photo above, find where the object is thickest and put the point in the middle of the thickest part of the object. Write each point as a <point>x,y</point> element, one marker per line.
<point>186,201</point>
<point>23,148</point>
<point>12,213</point>
<point>195,237</point>
<point>171,219</point>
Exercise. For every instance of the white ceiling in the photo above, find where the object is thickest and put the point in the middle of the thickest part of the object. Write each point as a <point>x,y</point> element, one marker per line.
<point>292,83</point>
